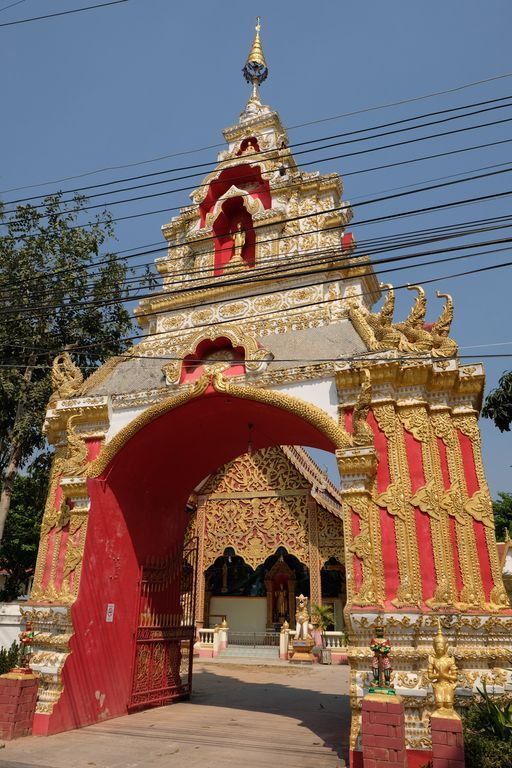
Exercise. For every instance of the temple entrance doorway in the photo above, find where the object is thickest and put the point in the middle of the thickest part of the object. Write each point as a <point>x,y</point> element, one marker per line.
<point>140,489</point>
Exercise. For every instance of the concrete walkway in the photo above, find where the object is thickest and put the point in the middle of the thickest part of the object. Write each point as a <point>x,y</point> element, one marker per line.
<point>249,716</point>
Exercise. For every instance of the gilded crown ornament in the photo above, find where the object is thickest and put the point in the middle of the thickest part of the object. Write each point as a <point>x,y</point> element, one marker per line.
<point>256,69</point>
<point>255,72</point>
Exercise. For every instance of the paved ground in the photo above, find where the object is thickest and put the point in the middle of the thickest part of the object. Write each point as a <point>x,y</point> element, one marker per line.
<point>243,715</point>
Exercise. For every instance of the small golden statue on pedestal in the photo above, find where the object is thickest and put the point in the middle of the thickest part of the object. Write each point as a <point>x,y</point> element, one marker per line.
<point>381,662</point>
<point>442,673</point>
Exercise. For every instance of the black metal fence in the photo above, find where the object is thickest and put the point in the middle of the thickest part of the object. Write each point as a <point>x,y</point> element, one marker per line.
<point>254,639</point>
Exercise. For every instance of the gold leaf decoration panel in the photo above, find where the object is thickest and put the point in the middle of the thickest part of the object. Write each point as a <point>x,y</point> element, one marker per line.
<point>330,537</point>
<point>256,527</point>
<point>266,470</point>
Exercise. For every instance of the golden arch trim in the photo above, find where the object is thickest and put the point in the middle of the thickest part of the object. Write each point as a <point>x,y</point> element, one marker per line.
<point>310,413</point>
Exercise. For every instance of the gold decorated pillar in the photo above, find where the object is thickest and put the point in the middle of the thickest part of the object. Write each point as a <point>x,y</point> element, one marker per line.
<point>416,421</point>
<point>479,505</point>
<point>202,608</point>
<point>357,467</point>
<point>315,584</point>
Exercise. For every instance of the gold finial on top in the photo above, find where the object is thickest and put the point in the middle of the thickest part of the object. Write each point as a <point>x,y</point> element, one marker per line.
<point>255,69</point>
<point>256,54</point>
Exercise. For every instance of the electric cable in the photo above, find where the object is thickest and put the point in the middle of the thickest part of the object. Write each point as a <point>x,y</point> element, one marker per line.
<point>250,177</point>
<point>285,271</point>
<point>62,13</point>
<point>364,110</point>
<point>257,156</point>
<point>147,337</point>
<point>370,247</point>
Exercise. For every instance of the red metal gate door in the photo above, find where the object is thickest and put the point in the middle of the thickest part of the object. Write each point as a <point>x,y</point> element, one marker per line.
<point>165,629</point>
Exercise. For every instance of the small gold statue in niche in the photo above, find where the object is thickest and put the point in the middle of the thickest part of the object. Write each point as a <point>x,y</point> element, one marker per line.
<point>442,673</point>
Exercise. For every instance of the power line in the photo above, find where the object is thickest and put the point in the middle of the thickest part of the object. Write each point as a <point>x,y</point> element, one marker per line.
<point>262,153</point>
<point>6,7</point>
<point>283,270</point>
<point>158,247</point>
<point>371,247</point>
<point>392,242</point>
<point>299,308</point>
<point>61,13</point>
<point>250,177</point>
<point>293,127</point>
<point>345,206</point>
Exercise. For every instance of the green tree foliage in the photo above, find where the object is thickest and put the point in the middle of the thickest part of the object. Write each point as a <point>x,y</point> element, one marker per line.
<point>498,403</point>
<point>58,292</point>
<point>18,549</point>
<point>9,658</point>
<point>502,507</point>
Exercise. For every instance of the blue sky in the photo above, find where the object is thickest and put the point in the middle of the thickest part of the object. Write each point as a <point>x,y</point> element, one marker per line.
<point>150,78</point>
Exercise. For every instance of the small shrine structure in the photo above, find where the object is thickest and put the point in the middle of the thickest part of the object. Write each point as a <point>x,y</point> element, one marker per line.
<point>268,526</point>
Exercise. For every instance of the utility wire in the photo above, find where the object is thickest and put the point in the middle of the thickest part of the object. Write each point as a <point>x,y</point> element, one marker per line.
<point>6,7</point>
<point>292,127</point>
<point>343,207</point>
<point>274,266</point>
<point>61,13</point>
<point>250,177</point>
<point>298,309</point>
<point>256,157</point>
<point>158,247</point>
<point>285,270</point>
<point>391,242</point>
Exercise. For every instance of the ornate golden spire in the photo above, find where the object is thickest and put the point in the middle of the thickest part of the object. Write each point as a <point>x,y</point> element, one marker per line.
<point>256,53</point>
<point>255,69</point>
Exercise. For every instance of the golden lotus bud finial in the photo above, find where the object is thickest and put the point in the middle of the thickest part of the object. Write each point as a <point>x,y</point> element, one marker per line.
<point>255,69</point>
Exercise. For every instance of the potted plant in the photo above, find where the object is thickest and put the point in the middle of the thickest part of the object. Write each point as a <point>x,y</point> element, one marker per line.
<point>323,617</point>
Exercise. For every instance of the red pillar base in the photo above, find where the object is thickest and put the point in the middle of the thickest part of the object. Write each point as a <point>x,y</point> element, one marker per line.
<point>383,732</point>
<point>18,694</point>
<point>447,743</point>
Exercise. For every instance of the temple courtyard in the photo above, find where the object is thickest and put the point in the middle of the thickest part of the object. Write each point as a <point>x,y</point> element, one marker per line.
<point>249,714</point>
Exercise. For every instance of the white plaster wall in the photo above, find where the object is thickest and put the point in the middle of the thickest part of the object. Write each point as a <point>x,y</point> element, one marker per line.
<point>10,624</point>
<point>244,614</point>
<point>119,419</point>
<point>320,392</point>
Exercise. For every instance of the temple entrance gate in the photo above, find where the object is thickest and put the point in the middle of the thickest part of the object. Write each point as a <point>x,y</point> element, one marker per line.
<point>164,640</point>
<point>263,334</point>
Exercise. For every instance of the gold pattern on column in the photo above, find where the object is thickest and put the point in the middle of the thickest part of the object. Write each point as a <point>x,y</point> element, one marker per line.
<point>416,421</point>
<point>200,518</point>
<point>479,506</point>
<point>315,585</point>
<point>396,499</point>
<point>472,595</point>
<point>357,469</point>
<point>50,517</point>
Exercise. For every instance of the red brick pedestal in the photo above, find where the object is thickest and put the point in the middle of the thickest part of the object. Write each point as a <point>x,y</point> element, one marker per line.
<point>18,693</point>
<point>447,743</point>
<point>383,732</point>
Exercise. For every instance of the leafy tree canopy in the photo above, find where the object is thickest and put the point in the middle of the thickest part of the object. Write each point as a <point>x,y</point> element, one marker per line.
<point>18,549</point>
<point>498,403</point>
<point>502,507</point>
<point>57,293</point>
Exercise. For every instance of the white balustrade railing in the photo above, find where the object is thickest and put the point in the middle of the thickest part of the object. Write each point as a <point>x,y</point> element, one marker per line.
<point>206,636</point>
<point>335,640</point>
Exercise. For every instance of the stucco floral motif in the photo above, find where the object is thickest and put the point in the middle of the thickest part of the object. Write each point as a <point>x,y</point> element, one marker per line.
<point>261,471</point>
<point>256,527</point>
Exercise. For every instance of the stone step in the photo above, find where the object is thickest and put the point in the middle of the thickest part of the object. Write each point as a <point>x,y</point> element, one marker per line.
<point>247,651</point>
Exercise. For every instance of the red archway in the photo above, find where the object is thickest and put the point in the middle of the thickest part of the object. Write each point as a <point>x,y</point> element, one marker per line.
<point>138,511</point>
